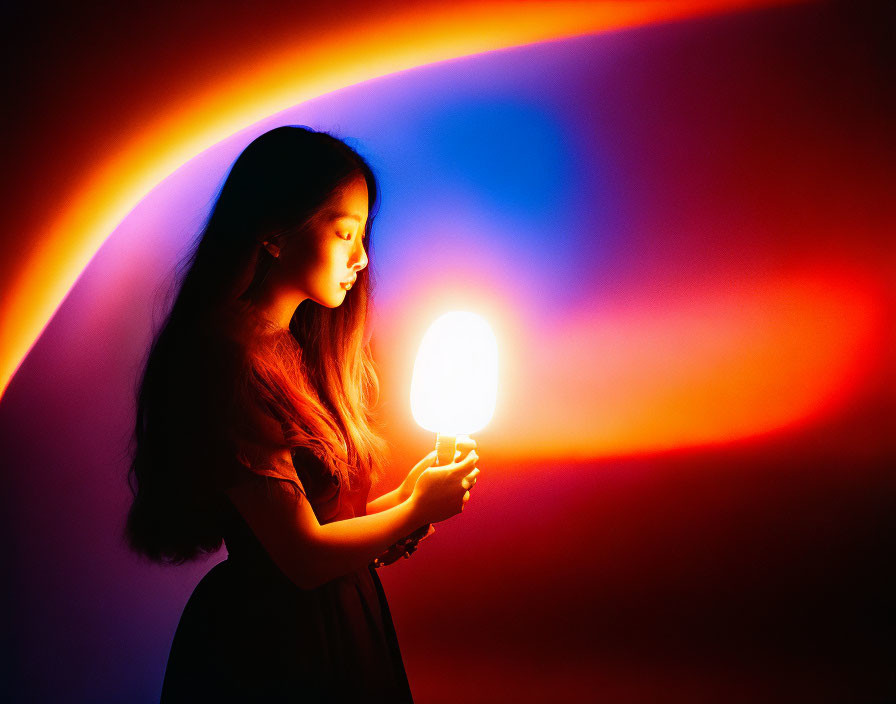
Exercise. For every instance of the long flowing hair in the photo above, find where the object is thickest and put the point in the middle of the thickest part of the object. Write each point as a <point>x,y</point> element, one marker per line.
<point>211,358</point>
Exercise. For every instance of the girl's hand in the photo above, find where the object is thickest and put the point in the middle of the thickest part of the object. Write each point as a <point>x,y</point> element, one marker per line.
<point>405,547</point>
<point>465,445</point>
<point>441,492</point>
<point>407,486</point>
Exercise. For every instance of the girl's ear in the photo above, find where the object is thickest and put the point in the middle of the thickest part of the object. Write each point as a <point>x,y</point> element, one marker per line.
<point>272,248</point>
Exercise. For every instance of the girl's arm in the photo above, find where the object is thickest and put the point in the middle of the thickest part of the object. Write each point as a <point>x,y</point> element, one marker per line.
<point>389,500</point>
<point>311,554</point>
<point>404,490</point>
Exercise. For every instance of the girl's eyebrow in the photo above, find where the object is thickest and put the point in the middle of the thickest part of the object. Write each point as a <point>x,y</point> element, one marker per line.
<point>337,216</point>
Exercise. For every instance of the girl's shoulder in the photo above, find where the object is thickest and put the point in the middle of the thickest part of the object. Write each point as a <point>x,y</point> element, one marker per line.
<point>239,327</point>
<point>232,333</point>
<point>222,364</point>
<point>230,324</point>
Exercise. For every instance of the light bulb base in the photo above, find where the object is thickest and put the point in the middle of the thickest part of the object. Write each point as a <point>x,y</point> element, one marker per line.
<point>446,446</point>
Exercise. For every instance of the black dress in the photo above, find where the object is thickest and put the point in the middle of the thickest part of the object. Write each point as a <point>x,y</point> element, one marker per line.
<point>249,634</point>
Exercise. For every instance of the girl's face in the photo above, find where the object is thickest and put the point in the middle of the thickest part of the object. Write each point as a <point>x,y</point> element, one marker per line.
<point>323,263</point>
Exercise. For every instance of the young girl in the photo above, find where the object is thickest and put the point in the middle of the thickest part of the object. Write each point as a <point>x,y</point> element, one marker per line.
<point>254,428</point>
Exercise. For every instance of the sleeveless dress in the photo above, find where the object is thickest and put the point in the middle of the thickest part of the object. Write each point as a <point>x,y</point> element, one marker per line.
<point>249,634</point>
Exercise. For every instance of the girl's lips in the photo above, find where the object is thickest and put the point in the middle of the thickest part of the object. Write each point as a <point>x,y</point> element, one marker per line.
<point>348,284</point>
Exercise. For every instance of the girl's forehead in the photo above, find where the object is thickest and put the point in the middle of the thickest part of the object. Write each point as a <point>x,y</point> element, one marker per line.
<point>349,201</point>
<point>354,193</point>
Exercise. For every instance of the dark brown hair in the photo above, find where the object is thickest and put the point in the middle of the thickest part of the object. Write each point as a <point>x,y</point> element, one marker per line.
<point>212,359</point>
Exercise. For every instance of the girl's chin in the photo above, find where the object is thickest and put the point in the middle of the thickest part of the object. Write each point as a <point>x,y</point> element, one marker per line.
<point>333,301</point>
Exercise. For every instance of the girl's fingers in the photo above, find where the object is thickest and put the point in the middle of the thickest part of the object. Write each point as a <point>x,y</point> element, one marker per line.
<point>470,459</point>
<point>469,480</point>
<point>465,444</point>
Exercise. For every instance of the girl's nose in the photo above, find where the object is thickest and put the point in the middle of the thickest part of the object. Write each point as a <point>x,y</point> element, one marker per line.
<point>359,256</point>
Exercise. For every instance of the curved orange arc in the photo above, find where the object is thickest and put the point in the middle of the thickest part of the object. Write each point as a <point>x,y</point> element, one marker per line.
<point>277,81</point>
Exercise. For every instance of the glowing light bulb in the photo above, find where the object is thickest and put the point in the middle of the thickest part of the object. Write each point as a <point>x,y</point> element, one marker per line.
<point>455,382</point>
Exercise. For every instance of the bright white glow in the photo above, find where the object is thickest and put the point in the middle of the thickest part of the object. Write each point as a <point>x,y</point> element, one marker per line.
<point>455,382</point>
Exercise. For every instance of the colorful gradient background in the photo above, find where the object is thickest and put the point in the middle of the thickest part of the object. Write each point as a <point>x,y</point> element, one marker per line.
<point>678,218</point>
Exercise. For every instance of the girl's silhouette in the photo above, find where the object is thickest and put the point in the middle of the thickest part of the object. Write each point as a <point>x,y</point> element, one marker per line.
<point>254,428</point>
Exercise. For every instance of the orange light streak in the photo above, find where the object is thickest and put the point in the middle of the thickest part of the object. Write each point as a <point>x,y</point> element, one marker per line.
<point>712,368</point>
<point>713,365</point>
<point>114,183</point>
